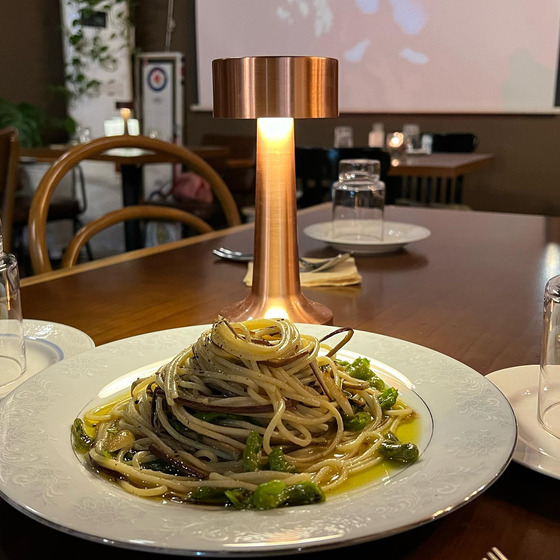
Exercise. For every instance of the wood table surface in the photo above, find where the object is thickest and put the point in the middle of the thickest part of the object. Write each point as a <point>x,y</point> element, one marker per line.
<point>125,156</point>
<point>445,165</point>
<point>472,290</point>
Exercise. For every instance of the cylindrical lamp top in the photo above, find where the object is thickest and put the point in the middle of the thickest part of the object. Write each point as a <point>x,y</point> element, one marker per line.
<point>304,87</point>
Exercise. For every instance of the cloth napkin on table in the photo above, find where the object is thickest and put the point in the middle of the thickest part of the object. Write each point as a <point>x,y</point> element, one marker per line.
<point>343,274</point>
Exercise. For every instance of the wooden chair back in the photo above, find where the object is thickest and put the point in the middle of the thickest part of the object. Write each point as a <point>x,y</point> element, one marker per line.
<point>9,161</point>
<point>38,250</point>
<point>136,212</point>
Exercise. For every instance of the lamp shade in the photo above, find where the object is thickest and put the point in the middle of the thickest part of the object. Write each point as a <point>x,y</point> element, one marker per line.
<point>304,87</point>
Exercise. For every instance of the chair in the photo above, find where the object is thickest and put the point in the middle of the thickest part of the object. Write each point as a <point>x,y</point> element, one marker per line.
<point>317,170</point>
<point>136,212</point>
<point>38,250</point>
<point>240,166</point>
<point>9,160</point>
<point>314,175</point>
<point>434,191</point>
<point>455,142</point>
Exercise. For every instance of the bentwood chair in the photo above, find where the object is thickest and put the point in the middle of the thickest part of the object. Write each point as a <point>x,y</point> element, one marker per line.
<point>136,212</point>
<point>38,250</point>
<point>9,158</point>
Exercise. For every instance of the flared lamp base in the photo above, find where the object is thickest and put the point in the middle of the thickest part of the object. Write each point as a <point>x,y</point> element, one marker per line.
<point>297,308</point>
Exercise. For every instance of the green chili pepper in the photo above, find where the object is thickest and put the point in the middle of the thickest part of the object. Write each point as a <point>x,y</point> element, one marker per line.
<point>275,493</point>
<point>394,450</point>
<point>240,498</point>
<point>360,369</point>
<point>388,398</point>
<point>82,442</point>
<point>253,446</point>
<point>277,461</point>
<point>209,495</point>
<point>357,422</point>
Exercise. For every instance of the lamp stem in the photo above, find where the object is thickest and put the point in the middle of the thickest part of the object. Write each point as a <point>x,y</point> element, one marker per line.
<point>276,290</point>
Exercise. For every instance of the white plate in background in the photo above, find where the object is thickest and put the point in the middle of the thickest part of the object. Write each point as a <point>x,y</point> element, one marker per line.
<point>395,236</point>
<point>47,343</point>
<point>535,447</point>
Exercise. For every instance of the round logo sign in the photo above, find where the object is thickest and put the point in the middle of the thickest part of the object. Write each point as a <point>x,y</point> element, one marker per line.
<point>157,78</point>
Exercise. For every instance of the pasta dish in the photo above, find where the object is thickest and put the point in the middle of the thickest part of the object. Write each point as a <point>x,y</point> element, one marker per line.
<point>252,415</point>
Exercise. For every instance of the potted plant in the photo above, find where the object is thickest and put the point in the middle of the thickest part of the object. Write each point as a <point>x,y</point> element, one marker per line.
<point>33,124</point>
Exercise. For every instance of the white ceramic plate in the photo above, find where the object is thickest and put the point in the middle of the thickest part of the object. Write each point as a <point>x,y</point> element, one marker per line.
<point>47,343</point>
<point>468,437</point>
<point>395,236</point>
<point>535,448</point>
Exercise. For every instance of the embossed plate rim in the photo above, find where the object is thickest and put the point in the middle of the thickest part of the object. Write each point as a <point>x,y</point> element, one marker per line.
<point>473,441</point>
<point>48,337</point>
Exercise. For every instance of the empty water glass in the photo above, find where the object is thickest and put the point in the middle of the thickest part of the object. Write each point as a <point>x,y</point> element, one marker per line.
<point>12,341</point>
<point>358,202</point>
<point>549,382</point>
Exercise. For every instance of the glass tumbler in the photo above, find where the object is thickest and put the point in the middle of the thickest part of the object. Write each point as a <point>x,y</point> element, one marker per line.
<point>549,380</point>
<point>358,202</point>
<point>12,340</point>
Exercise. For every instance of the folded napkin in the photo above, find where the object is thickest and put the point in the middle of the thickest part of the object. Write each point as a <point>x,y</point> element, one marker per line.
<point>343,274</point>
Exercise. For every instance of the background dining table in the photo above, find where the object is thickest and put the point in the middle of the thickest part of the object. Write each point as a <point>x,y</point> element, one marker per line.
<point>472,290</point>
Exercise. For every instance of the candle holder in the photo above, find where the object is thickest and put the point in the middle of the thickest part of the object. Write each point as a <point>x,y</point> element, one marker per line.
<point>275,90</point>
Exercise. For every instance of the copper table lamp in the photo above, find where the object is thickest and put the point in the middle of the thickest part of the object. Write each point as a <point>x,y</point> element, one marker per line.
<point>275,90</point>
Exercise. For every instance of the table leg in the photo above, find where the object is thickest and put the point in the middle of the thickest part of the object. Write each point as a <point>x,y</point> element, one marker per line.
<point>131,177</point>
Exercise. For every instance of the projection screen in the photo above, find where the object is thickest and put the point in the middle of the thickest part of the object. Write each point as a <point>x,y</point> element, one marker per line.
<point>399,56</point>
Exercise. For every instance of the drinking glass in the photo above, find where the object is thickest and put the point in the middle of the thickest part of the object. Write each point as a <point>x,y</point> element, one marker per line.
<point>12,341</point>
<point>549,380</point>
<point>411,136</point>
<point>343,137</point>
<point>358,202</point>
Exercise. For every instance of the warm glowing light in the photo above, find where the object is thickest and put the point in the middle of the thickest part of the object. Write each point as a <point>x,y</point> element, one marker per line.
<point>125,113</point>
<point>395,140</point>
<point>275,129</point>
<point>276,312</point>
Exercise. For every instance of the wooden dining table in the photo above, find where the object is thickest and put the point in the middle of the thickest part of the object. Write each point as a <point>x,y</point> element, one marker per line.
<point>443,165</point>
<point>472,290</point>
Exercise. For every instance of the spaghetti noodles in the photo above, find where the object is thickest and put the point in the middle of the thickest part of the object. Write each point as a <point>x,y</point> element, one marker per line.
<point>254,414</point>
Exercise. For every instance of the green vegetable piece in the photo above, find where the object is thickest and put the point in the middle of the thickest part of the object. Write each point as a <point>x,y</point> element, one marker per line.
<point>275,493</point>
<point>388,398</point>
<point>268,495</point>
<point>303,493</point>
<point>82,442</point>
<point>277,461</point>
<point>360,369</point>
<point>209,495</point>
<point>376,382</point>
<point>253,446</point>
<point>400,452</point>
<point>239,498</point>
<point>357,422</point>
